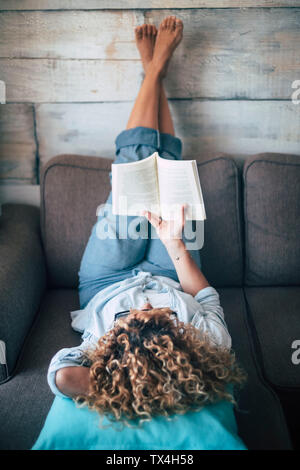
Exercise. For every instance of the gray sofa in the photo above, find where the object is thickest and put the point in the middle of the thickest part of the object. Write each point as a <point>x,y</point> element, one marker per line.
<point>251,255</point>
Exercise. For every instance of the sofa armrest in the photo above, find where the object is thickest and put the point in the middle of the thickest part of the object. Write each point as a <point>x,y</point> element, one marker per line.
<point>22,280</point>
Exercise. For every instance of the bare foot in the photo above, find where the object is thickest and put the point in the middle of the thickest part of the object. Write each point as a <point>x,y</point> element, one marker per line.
<point>145,39</point>
<point>168,37</point>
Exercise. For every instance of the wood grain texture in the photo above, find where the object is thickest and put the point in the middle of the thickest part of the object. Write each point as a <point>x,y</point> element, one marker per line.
<point>65,34</point>
<point>252,54</point>
<point>29,80</point>
<point>79,70</point>
<point>241,54</point>
<point>137,4</point>
<point>17,144</point>
<point>205,127</point>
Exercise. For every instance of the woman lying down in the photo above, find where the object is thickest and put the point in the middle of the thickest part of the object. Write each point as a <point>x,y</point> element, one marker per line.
<point>151,345</point>
<point>154,337</point>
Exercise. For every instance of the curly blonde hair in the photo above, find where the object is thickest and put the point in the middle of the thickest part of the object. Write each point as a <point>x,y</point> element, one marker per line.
<point>152,364</point>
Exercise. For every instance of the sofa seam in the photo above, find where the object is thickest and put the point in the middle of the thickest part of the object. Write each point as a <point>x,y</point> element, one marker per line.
<point>261,160</point>
<point>238,216</point>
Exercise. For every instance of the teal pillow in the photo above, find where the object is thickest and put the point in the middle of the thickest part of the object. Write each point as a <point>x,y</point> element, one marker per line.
<point>68,427</point>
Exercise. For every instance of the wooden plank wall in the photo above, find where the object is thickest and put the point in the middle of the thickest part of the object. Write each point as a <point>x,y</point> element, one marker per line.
<point>72,71</point>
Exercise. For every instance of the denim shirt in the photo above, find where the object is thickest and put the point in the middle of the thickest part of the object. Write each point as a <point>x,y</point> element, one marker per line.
<point>203,311</point>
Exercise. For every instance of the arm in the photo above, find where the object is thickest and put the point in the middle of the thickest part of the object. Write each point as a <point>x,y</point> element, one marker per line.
<point>190,276</point>
<point>73,381</point>
<point>68,373</point>
<point>210,316</point>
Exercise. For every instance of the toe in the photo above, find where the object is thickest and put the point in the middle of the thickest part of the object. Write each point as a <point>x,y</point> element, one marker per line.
<point>172,22</point>
<point>163,24</point>
<point>179,24</point>
<point>138,32</point>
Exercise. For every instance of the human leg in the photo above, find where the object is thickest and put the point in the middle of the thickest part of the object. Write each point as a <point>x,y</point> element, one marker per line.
<point>110,258</point>
<point>152,96</point>
<point>145,37</point>
<point>157,259</point>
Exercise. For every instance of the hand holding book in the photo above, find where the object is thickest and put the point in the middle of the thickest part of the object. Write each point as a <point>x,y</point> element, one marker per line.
<point>157,185</point>
<point>168,230</point>
<point>190,276</point>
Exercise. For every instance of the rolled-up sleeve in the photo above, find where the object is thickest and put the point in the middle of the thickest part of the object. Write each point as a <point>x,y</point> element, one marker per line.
<point>210,317</point>
<point>69,357</point>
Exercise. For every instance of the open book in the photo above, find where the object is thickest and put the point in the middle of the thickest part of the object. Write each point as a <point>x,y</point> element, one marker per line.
<point>158,185</point>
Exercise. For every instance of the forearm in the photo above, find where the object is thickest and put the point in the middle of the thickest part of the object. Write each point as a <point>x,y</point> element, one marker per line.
<point>73,381</point>
<point>190,276</point>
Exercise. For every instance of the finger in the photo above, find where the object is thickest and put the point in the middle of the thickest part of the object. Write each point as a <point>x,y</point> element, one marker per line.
<point>153,218</point>
<point>183,213</point>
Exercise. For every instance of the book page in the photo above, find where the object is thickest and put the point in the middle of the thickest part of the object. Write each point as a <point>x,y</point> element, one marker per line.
<point>178,182</point>
<point>135,187</point>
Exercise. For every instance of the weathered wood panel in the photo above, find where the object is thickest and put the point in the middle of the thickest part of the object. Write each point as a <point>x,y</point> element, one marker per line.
<point>250,54</point>
<point>29,80</point>
<point>225,54</point>
<point>17,144</point>
<point>65,34</point>
<point>205,127</point>
<point>136,4</point>
<point>64,56</point>
<point>240,128</point>
<point>209,35</point>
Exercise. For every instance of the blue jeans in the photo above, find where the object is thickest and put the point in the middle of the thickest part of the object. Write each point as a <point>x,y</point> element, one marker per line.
<point>110,260</point>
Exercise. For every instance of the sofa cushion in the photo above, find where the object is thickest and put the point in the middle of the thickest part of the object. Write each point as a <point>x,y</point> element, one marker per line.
<point>275,321</point>
<point>73,186</point>
<point>22,279</point>
<point>260,418</point>
<point>26,398</point>
<point>272,219</point>
<point>222,253</point>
